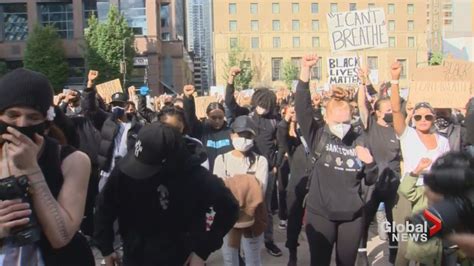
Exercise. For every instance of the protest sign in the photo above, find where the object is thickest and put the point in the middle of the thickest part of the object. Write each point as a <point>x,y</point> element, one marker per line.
<point>202,103</point>
<point>458,70</point>
<point>107,89</point>
<point>217,91</point>
<point>358,29</point>
<point>343,70</point>
<point>245,97</point>
<point>447,94</point>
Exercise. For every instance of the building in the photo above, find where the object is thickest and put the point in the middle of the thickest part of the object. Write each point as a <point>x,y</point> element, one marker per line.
<point>273,31</point>
<point>17,18</point>
<point>199,41</point>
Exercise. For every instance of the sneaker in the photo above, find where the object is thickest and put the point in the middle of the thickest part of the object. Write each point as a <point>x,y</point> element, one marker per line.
<point>282,225</point>
<point>273,249</point>
<point>381,220</point>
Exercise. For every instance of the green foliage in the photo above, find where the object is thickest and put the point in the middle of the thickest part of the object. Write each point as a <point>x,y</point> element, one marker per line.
<point>3,68</point>
<point>290,73</point>
<point>238,58</point>
<point>44,53</point>
<point>105,43</point>
<point>436,59</point>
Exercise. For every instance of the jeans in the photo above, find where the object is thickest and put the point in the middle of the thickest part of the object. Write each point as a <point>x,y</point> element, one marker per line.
<point>251,248</point>
<point>268,201</point>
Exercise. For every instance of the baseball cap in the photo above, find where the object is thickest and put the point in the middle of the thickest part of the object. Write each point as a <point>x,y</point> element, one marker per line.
<point>156,144</point>
<point>119,98</point>
<point>424,105</point>
<point>244,124</point>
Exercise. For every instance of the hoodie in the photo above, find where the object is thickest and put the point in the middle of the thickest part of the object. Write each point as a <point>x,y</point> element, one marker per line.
<point>335,189</point>
<point>162,219</point>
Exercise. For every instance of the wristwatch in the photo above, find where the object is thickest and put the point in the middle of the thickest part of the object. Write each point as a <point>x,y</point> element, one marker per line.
<point>395,82</point>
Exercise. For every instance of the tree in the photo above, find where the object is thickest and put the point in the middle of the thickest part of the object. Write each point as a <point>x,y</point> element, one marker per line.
<point>236,57</point>
<point>436,59</point>
<point>3,68</point>
<point>105,44</point>
<point>45,53</point>
<point>290,73</point>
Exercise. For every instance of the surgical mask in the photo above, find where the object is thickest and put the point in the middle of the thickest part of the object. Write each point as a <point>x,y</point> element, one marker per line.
<point>388,118</point>
<point>27,131</point>
<point>118,111</point>
<point>442,123</point>
<point>261,111</point>
<point>340,130</point>
<point>242,144</point>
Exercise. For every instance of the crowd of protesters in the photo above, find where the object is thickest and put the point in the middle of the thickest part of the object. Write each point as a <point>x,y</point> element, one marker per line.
<point>160,186</point>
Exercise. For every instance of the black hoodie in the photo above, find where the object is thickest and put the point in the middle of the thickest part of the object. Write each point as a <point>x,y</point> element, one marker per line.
<point>162,219</point>
<point>265,141</point>
<point>334,192</point>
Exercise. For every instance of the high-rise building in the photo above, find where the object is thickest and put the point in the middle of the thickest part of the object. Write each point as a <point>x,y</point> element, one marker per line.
<point>199,41</point>
<point>18,17</point>
<point>273,31</point>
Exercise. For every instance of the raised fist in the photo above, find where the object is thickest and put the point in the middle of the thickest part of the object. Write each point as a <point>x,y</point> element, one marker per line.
<point>93,74</point>
<point>309,61</point>
<point>396,70</point>
<point>234,71</point>
<point>189,90</point>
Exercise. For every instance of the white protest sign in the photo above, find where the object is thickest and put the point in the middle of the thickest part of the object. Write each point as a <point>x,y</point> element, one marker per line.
<point>217,91</point>
<point>343,70</point>
<point>355,30</point>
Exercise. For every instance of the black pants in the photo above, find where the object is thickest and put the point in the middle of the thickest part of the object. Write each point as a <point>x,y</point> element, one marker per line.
<point>374,197</point>
<point>87,225</point>
<point>323,234</point>
<point>283,174</point>
<point>296,192</point>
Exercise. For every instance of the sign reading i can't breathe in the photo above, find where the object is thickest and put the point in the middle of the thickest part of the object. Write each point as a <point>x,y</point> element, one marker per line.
<point>356,30</point>
<point>343,70</point>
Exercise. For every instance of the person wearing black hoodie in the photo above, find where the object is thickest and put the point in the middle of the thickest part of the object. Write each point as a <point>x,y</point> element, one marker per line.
<point>264,116</point>
<point>213,132</point>
<point>334,206</point>
<point>160,195</point>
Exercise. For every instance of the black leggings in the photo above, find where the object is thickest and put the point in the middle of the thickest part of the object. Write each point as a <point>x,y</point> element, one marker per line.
<point>376,196</point>
<point>323,234</point>
<point>296,192</point>
<point>283,174</point>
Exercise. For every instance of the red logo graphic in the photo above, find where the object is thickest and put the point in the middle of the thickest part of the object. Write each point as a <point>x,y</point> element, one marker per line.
<point>433,219</point>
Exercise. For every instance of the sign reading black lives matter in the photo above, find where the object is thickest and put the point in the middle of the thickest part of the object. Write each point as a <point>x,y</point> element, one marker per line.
<point>355,30</point>
<point>343,70</point>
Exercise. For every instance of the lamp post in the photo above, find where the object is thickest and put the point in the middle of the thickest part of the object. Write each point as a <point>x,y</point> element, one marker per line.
<point>123,65</point>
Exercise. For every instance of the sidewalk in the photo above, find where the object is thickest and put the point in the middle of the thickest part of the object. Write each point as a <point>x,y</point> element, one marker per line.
<point>378,251</point>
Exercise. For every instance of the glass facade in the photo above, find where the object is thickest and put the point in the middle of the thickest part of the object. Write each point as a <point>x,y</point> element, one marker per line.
<point>90,8</point>
<point>14,22</point>
<point>135,13</point>
<point>58,15</point>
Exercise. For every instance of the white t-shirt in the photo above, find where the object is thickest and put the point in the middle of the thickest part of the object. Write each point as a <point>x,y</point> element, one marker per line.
<point>227,165</point>
<point>413,149</point>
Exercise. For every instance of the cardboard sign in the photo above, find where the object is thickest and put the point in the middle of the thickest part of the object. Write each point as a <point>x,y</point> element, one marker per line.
<point>343,70</point>
<point>202,103</point>
<point>452,94</point>
<point>458,70</point>
<point>107,89</point>
<point>356,30</point>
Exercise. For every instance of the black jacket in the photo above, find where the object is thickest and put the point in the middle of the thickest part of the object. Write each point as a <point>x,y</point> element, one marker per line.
<point>335,190</point>
<point>163,219</point>
<point>216,141</point>
<point>108,127</point>
<point>265,141</point>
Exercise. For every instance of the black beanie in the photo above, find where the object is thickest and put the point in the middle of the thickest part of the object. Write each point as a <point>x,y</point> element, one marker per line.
<point>23,87</point>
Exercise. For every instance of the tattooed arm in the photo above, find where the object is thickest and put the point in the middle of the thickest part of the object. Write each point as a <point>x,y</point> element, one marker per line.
<point>60,219</point>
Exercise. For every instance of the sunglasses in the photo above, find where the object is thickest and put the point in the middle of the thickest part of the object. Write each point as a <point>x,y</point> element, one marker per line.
<point>429,118</point>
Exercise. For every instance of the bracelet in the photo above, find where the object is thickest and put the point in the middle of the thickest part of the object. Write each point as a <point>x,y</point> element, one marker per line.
<point>395,82</point>
<point>35,172</point>
<point>37,182</point>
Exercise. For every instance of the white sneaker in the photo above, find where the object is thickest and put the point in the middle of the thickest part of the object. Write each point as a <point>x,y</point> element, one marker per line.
<point>282,225</point>
<point>381,219</point>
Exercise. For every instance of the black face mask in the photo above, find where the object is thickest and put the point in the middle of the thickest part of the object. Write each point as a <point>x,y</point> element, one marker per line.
<point>27,131</point>
<point>130,116</point>
<point>388,118</point>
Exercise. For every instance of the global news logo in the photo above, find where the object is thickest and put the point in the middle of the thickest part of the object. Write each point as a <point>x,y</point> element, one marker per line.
<point>420,232</point>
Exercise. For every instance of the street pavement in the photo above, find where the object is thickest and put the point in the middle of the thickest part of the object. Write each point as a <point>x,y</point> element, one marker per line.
<point>377,250</point>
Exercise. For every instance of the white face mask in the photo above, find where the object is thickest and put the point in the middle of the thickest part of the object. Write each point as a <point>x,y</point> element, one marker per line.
<point>340,130</point>
<point>261,111</point>
<point>242,144</point>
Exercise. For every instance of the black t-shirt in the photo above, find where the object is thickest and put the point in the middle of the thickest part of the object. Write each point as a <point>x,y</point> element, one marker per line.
<point>384,145</point>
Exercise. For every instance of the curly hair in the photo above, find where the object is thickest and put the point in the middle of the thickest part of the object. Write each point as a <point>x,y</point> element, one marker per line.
<point>264,98</point>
